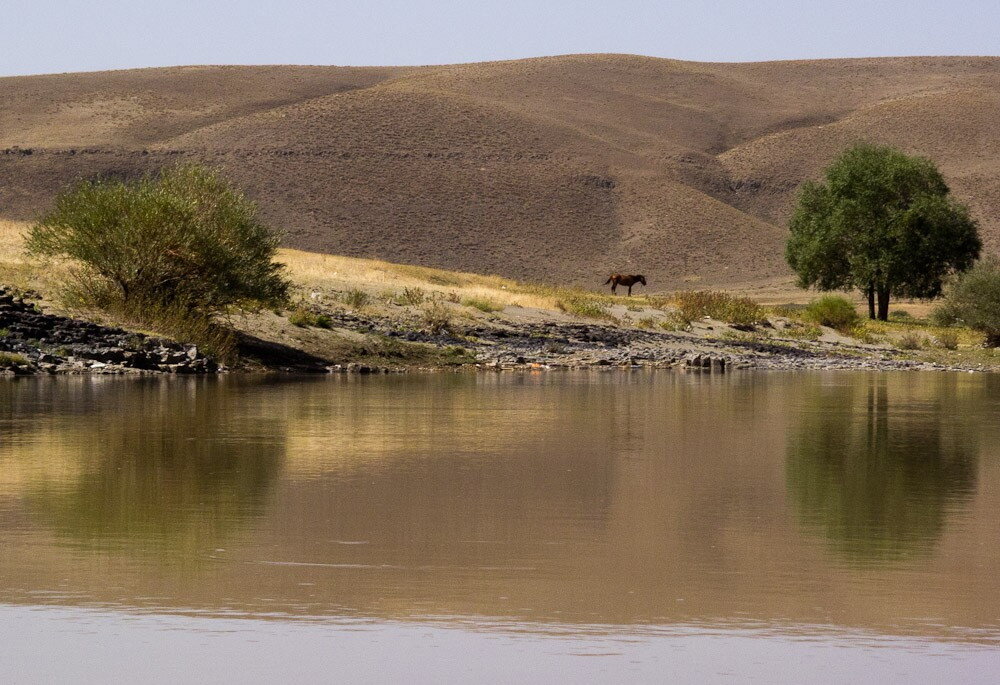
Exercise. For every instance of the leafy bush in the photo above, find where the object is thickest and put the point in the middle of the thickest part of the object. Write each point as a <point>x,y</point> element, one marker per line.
<point>974,300</point>
<point>696,304</point>
<point>833,311</point>
<point>183,238</point>
<point>944,315</point>
<point>482,304</point>
<point>303,317</point>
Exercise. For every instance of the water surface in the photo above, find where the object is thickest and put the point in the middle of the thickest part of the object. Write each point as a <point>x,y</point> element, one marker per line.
<point>811,526</point>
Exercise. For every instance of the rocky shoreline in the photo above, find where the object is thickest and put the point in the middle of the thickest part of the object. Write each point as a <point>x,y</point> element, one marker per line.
<point>33,342</point>
<point>557,345</point>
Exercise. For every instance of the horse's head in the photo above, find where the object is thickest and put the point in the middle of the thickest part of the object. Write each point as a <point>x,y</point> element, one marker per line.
<point>642,279</point>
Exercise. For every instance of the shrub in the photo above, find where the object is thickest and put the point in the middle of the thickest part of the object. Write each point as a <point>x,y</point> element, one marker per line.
<point>911,340</point>
<point>303,318</point>
<point>833,311</point>
<point>481,304</point>
<point>947,339</point>
<point>645,322</point>
<point>412,296</point>
<point>901,315</point>
<point>974,300</point>
<point>944,315</point>
<point>184,238</point>
<point>356,299</point>
<point>436,318</point>
<point>696,304</point>
<point>673,322</point>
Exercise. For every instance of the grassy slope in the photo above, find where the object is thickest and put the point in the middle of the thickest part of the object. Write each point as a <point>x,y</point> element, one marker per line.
<point>554,170</point>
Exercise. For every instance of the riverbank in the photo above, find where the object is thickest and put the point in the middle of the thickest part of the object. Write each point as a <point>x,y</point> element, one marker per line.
<point>337,340</point>
<point>357,315</point>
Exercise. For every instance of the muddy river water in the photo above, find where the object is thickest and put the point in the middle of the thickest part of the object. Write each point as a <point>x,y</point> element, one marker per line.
<point>553,527</point>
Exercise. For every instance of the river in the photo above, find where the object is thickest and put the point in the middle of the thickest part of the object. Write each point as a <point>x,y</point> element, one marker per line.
<point>527,527</point>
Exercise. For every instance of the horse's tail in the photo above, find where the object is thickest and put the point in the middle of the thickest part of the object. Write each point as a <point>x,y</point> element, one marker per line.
<point>609,279</point>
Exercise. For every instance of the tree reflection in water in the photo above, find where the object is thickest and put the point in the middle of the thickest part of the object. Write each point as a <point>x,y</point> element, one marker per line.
<point>155,471</point>
<point>875,470</point>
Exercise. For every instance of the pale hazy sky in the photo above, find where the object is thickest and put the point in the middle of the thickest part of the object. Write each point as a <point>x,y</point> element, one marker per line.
<point>42,36</point>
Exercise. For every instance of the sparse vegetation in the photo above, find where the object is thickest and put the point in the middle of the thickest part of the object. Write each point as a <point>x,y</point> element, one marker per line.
<point>588,307</point>
<point>910,340</point>
<point>436,318</point>
<point>355,298</point>
<point>802,331</point>
<point>673,322</point>
<point>833,311</point>
<point>645,322</point>
<point>304,318</point>
<point>947,339</point>
<point>696,304</point>
<point>482,304</point>
<point>411,296</point>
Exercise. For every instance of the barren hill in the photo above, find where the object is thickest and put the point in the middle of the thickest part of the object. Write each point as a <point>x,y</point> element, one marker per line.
<point>556,169</point>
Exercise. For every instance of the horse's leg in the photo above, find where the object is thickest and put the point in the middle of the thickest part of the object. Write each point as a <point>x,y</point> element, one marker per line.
<point>614,287</point>
<point>630,291</point>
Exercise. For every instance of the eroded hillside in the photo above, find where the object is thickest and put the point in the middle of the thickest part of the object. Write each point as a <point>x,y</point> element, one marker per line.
<point>554,169</point>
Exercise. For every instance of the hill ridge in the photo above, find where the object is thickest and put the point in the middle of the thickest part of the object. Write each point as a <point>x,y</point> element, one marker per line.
<point>552,168</point>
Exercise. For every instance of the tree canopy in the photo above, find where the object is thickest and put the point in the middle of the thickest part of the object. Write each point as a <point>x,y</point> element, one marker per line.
<point>882,222</point>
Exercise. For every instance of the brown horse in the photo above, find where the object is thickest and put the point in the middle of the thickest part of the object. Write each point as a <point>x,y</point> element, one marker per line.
<point>621,279</point>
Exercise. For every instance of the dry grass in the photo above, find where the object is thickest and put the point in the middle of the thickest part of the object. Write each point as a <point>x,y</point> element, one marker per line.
<point>8,359</point>
<point>15,268</point>
<point>407,285</point>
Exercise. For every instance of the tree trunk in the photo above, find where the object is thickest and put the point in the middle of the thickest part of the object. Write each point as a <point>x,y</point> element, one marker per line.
<point>883,304</point>
<point>871,300</point>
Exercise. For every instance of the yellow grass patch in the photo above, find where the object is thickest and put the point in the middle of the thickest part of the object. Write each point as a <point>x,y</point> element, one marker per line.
<point>315,270</point>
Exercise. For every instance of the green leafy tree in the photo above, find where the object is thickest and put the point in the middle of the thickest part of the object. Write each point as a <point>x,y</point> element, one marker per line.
<point>881,222</point>
<point>182,238</point>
